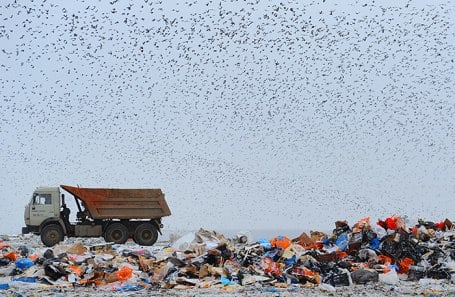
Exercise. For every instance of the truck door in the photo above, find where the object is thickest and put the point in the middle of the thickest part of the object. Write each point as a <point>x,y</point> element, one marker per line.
<point>41,208</point>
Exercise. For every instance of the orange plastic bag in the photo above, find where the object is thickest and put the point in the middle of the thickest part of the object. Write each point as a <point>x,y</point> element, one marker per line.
<point>383,259</point>
<point>124,273</point>
<point>404,264</point>
<point>13,256</point>
<point>33,257</point>
<point>281,241</point>
<point>76,269</point>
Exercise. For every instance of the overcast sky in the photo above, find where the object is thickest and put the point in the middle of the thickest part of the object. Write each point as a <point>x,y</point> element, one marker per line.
<point>249,115</point>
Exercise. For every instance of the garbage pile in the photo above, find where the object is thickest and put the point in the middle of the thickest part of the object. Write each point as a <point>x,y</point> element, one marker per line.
<point>386,252</point>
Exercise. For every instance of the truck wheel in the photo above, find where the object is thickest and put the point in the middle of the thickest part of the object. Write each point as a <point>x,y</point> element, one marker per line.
<point>145,234</point>
<point>116,232</point>
<point>51,235</point>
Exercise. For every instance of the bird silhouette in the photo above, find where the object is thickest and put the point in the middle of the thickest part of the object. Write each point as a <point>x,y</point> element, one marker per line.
<point>256,114</point>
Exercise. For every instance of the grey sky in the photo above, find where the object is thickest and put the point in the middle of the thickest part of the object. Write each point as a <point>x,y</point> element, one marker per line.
<point>248,115</point>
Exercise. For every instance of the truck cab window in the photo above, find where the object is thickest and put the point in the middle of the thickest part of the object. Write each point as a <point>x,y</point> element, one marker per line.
<point>42,199</point>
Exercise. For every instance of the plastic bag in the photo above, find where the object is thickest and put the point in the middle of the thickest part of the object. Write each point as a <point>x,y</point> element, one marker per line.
<point>404,264</point>
<point>265,243</point>
<point>389,278</point>
<point>13,256</point>
<point>129,288</point>
<point>24,263</point>
<point>281,241</point>
<point>124,273</point>
<point>225,281</point>
<point>363,276</point>
<point>375,243</point>
<point>380,231</point>
<point>25,279</point>
<point>4,286</point>
<point>342,242</point>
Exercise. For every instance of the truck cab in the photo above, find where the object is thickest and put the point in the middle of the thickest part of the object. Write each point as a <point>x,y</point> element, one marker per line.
<point>42,211</point>
<point>44,204</point>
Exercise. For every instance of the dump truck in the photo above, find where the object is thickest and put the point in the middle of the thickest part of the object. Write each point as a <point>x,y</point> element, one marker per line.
<point>115,214</point>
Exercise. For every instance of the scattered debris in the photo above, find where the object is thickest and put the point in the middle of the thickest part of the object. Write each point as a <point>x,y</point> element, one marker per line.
<point>387,252</point>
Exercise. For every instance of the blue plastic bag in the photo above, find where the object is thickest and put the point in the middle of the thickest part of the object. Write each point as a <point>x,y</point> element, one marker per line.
<point>394,267</point>
<point>374,243</point>
<point>25,279</point>
<point>129,288</point>
<point>265,243</point>
<point>290,261</point>
<point>4,286</point>
<point>225,281</point>
<point>342,242</point>
<point>24,263</point>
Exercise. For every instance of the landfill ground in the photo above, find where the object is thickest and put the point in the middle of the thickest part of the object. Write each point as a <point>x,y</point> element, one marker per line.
<point>206,263</point>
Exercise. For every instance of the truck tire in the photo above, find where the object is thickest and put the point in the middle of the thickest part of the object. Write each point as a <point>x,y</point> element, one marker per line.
<point>51,235</point>
<point>116,232</point>
<point>145,234</point>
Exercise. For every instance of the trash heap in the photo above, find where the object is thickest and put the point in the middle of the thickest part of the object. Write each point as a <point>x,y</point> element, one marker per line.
<point>387,252</point>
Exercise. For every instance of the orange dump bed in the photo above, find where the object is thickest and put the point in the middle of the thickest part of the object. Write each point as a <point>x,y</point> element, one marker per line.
<point>122,203</point>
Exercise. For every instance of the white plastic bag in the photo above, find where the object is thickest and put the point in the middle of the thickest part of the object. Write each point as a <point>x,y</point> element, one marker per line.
<point>389,278</point>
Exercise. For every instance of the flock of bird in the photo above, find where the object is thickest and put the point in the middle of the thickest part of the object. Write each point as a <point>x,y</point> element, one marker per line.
<point>246,113</point>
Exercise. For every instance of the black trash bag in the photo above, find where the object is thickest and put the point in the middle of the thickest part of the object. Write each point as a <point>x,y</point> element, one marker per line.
<point>4,261</point>
<point>325,267</point>
<point>40,260</point>
<point>391,248</point>
<point>401,248</point>
<point>54,269</point>
<point>363,276</point>
<point>49,254</point>
<point>344,264</point>
<point>23,250</point>
<point>16,271</point>
<point>411,250</point>
<point>336,279</point>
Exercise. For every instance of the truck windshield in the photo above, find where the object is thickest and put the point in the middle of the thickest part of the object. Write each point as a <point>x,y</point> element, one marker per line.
<point>42,199</point>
